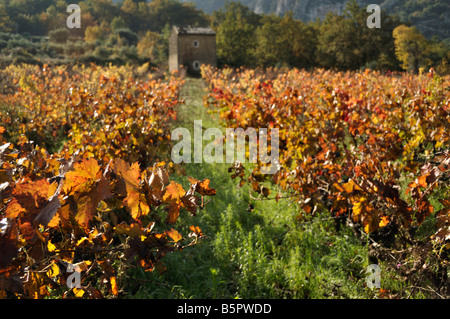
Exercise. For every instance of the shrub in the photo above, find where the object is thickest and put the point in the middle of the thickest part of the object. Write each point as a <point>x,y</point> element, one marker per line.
<point>60,35</point>
<point>127,36</point>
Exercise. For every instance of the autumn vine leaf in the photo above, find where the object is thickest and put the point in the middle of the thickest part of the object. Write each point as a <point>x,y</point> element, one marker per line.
<point>81,179</point>
<point>202,187</point>
<point>344,145</point>
<point>9,237</point>
<point>129,186</point>
<point>83,206</point>
<point>173,194</point>
<point>174,234</point>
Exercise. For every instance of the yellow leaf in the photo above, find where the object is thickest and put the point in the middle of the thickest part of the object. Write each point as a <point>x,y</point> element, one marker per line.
<point>78,292</point>
<point>384,221</point>
<point>350,186</point>
<point>132,230</point>
<point>54,221</point>
<point>357,207</point>
<point>375,119</point>
<point>51,247</point>
<point>53,271</point>
<point>80,241</point>
<point>114,288</point>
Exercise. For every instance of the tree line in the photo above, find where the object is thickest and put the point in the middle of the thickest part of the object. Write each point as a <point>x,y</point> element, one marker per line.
<point>341,42</point>
<point>137,31</point>
<point>128,31</point>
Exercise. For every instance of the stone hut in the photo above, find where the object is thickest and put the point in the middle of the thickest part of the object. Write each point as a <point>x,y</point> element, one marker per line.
<point>191,47</point>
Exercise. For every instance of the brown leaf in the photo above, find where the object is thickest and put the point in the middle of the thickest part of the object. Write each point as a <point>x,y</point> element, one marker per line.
<point>202,187</point>
<point>132,230</point>
<point>8,242</point>
<point>49,210</point>
<point>173,212</point>
<point>95,293</point>
<point>190,201</point>
<point>159,178</point>
<point>87,205</point>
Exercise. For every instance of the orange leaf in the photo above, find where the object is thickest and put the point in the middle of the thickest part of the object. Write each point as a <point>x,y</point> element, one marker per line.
<point>136,204</point>
<point>134,201</point>
<point>81,179</point>
<point>384,221</point>
<point>350,186</point>
<point>173,195</point>
<point>86,209</point>
<point>196,230</point>
<point>174,234</point>
<point>14,209</point>
<point>173,192</point>
<point>423,181</point>
<point>338,187</point>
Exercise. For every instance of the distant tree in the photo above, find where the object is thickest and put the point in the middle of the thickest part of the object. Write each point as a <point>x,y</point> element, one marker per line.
<point>439,55</point>
<point>6,23</point>
<point>298,42</point>
<point>267,52</point>
<point>147,43</point>
<point>285,41</point>
<point>97,32</point>
<point>118,23</point>
<point>129,11</point>
<point>236,25</point>
<point>101,10</point>
<point>346,42</point>
<point>56,17</point>
<point>410,48</point>
<point>173,12</point>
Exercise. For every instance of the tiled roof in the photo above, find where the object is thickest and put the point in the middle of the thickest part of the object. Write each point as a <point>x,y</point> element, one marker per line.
<point>194,30</point>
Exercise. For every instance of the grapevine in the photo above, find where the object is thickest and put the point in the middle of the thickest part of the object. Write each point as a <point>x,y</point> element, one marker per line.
<point>104,200</point>
<point>369,148</point>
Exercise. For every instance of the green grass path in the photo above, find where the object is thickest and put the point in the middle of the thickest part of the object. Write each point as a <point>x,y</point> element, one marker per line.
<point>259,253</point>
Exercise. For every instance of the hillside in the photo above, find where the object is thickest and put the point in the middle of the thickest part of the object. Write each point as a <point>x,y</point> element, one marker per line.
<point>432,17</point>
